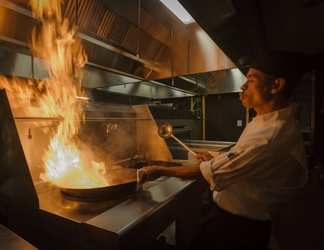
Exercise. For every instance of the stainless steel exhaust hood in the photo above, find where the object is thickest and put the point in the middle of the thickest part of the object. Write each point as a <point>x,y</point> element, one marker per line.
<point>128,43</point>
<point>140,42</point>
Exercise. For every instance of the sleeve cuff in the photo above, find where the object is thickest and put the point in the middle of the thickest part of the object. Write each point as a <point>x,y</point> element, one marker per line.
<point>205,168</point>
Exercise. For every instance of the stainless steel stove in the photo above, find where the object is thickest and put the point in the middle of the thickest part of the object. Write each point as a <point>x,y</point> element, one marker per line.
<point>38,211</point>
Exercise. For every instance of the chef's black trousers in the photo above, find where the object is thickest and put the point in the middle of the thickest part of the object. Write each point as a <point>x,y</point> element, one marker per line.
<point>222,230</point>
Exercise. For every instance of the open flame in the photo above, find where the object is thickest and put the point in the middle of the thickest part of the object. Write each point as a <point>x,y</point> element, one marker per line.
<point>64,59</point>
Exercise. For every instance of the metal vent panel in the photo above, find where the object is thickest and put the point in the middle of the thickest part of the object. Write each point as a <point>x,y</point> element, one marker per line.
<point>106,24</point>
<point>90,15</point>
<point>96,18</point>
<point>120,30</point>
<point>131,38</point>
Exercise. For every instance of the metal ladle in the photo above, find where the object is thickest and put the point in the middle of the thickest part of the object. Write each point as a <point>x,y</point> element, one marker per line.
<point>165,131</point>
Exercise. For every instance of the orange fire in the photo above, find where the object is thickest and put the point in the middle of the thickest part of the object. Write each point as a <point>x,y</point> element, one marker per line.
<point>63,58</point>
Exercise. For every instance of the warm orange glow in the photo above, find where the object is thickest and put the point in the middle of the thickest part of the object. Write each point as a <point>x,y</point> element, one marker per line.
<point>63,58</point>
<point>56,44</point>
<point>65,169</point>
<point>20,93</point>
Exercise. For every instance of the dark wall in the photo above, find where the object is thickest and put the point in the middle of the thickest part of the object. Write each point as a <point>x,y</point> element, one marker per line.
<point>222,113</point>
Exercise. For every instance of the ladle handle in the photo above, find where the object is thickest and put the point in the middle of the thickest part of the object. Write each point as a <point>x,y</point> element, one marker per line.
<point>184,145</point>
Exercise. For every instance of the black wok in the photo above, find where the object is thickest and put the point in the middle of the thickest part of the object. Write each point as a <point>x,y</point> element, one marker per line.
<point>122,183</point>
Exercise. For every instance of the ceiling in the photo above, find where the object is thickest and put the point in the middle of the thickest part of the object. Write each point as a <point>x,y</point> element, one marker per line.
<point>243,29</point>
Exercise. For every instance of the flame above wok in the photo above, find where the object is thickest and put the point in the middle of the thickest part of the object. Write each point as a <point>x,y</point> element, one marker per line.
<point>63,57</point>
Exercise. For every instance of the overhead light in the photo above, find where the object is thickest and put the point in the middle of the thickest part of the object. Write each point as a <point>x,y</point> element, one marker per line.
<point>178,10</point>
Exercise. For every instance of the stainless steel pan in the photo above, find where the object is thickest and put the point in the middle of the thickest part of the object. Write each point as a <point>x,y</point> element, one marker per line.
<point>122,183</point>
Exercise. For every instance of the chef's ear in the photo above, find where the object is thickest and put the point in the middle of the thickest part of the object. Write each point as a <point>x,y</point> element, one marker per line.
<point>278,85</point>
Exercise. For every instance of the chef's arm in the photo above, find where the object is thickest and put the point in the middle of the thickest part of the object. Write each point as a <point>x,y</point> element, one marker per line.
<point>186,172</point>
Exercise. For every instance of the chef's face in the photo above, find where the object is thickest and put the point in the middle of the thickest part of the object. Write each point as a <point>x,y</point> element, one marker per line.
<point>256,91</point>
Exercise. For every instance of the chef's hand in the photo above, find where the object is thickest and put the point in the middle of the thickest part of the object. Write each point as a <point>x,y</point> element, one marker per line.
<point>151,173</point>
<point>203,156</point>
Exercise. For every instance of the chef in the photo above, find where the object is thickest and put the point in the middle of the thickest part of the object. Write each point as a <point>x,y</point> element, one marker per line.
<point>263,171</point>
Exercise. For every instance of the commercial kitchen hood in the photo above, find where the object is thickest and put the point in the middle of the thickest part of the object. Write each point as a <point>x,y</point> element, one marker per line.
<point>141,48</point>
<point>130,45</point>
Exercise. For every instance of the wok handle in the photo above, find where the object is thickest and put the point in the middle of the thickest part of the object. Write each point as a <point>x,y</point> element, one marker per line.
<point>184,145</point>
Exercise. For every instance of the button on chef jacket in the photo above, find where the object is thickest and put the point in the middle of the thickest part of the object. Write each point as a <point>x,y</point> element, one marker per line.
<point>263,170</point>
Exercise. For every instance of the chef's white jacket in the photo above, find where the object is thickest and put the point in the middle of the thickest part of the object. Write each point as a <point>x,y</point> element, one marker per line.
<point>263,170</point>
